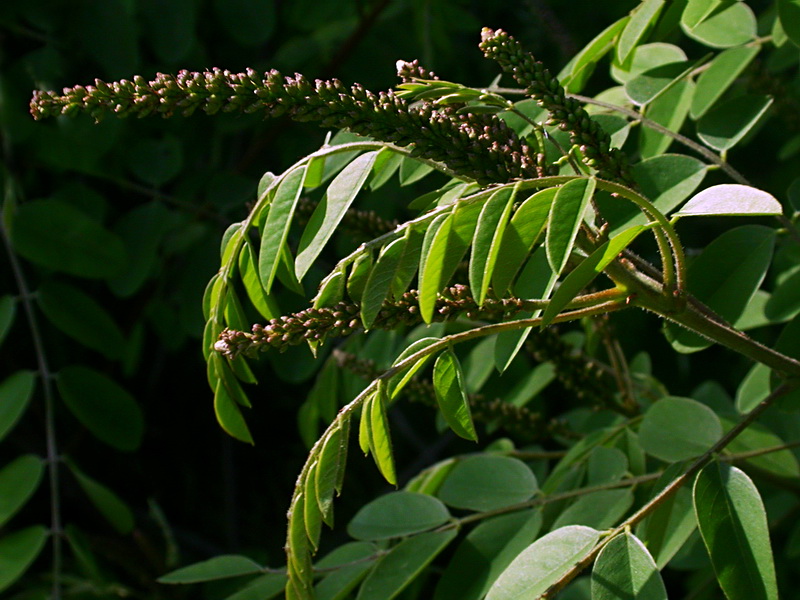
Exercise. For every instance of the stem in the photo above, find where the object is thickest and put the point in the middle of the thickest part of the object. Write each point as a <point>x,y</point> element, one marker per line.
<point>673,487</point>
<point>49,407</point>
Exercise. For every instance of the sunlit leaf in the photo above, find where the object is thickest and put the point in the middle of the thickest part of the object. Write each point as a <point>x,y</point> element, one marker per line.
<point>651,84</point>
<point>642,17</point>
<point>448,382</point>
<point>332,462</point>
<point>381,440</point>
<point>248,271</point>
<point>229,415</point>
<point>733,524</point>
<point>730,24</point>
<point>488,239</point>
<point>380,280</point>
<point>601,509</point>
<point>566,215</point>
<point>543,563</point>
<point>731,199</point>
<point>670,110</point>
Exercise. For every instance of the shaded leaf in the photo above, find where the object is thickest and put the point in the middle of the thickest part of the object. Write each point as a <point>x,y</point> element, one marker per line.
<point>651,84</point>
<point>448,382</point>
<point>488,482</point>
<point>109,412</point>
<point>219,567</point>
<point>332,462</point>
<point>718,77</point>
<point>397,514</point>
<point>543,563</point>
<point>675,429</point>
<point>566,215</point>
<point>18,550</point>
<point>726,124</point>
<point>625,569</point>
<point>402,564</point>
<point>326,217</point>
<point>19,479</point>
<point>733,524</point>
<point>600,510</point>
<point>264,587</point>
<point>583,65</point>
<point>54,234</point>
<point>229,415</point>
<point>111,506</point>
<point>8,308</point>
<point>359,274</point>
<point>351,563</point>
<point>15,393</point>
<point>312,515</point>
<point>789,15</point>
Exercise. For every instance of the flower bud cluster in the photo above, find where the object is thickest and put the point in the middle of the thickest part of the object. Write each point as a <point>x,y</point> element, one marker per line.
<point>409,71</point>
<point>342,319</point>
<point>566,113</point>
<point>481,147</point>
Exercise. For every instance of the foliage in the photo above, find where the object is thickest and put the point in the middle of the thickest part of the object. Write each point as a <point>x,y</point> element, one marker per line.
<point>509,297</point>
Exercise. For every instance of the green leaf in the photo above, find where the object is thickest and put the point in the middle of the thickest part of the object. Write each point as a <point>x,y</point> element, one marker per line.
<point>81,317</point>
<point>644,57</point>
<point>726,124</point>
<point>351,563</point>
<point>359,274</point>
<point>582,275</point>
<point>653,83</point>
<point>668,527</point>
<point>696,11</point>
<point>379,434</point>
<point>111,506</point>
<point>330,471</point>
<point>386,164</point>
<point>276,228</point>
<point>156,161</point>
<point>54,234</point>
<point>725,277</point>
<point>731,199</point>
<point>753,388</point>
<point>412,170</point>
<point>789,15</point>
<point>219,567</point>
<point>18,550</point>
<point>719,76</point>
<point>312,515</point>
<point>298,552</point>
<point>330,211</point>
<point>331,290</point>
<point>380,280</point>
<point>248,271</point>
<point>675,429</point>
<point>642,18</point>
<point>784,303</point>
<point>488,482</point>
<point>730,24</point>
<point>109,412</point>
<point>409,262</point>
<point>447,247</point>
<point>15,393</point>
<point>397,383</point>
<point>600,510</point>
<point>8,308</point>
<point>448,383</point>
<point>584,63</point>
<point>625,569</point>
<point>565,219</point>
<point>605,465</point>
<point>229,415</point>
<point>670,110</point>
<point>522,232</point>
<point>733,524</point>
<point>19,479</point>
<point>488,239</point>
<point>485,553</point>
<point>543,563</point>
<point>757,437</point>
<point>264,587</point>
<point>403,564</point>
<point>397,514</point>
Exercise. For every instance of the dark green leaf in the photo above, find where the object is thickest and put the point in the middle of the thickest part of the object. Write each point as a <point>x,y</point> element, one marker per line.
<point>600,510</point>
<point>229,415</point>
<point>670,110</point>
<point>331,290</point>
<point>18,550</point>
<point>219,567</point>
<point>81,317</point>
<point>397,383</point>
<point>8,308</point>
<point>733,524</point>
<point>15,393</point>
<point>718,77</point>
<point>338,198</point>
<point>521,234</point>
<point>789,15</point>
<point>412,170</point>
<point>353,561</point>
<point>448,382</point>
<point>757,437</point>
<point>19,479</point>
<point>725,277</point>
<point>109,412</point>
<point>397,514</point>
<point>404,562</point>
<point>111,506</point>
<point>485,553</point>
<point>582,275</point>
<point>380,280</point>
<point>359,274</point>
<point>276,227</point>
<point>675,429</point>
<point>543,563</point>
<point>605,465</point>
<point>332,462</point>
<point>488,482</point>
<point>264,587</point>
<point>653,83</point>
<point>565,219</point>
<point>248,22</point>
<point>584,62</point>
<point>726,124</point>
<point>58,236</point>
<point>625,569</point>
<point>265,304</point>
<point>156,161</point>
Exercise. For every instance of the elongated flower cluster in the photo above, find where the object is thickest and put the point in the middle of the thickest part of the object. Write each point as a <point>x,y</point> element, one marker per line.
<point>318,324</point>
<point>480,147</point>
<point>566,113</point>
